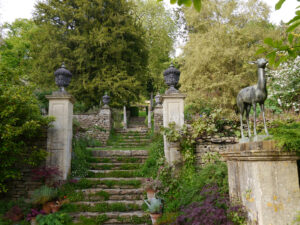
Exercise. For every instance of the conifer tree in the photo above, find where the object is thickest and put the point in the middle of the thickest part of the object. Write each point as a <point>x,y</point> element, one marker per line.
<point>99,42</point>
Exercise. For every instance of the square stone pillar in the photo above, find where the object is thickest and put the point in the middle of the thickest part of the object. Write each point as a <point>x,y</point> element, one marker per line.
<point>158,118</point>
<point>59,141</point>
<point>173,111</point>
<point>265,180</point>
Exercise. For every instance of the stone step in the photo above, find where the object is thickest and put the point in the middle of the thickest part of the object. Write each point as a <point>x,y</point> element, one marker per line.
<point>117,178</point>
<point>115,166</point>
<point>114,218</point>
<point>139,159</point>
<point>109,171</point>
<point>126,202</point>
<point>139,130</point>
<point>140,136</point>
<point>113,191</point>
<point>110,153</point>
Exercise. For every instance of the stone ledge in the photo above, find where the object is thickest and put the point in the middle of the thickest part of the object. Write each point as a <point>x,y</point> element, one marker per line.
<point>258,151</point>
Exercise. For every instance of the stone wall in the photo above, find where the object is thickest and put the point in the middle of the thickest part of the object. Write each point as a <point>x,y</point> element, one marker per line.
<point>25,185</point>
<point>208,147</point>
<point>97,126</point>
<point>158,118</point>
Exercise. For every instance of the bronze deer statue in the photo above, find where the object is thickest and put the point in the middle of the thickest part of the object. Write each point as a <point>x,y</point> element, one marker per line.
<point>252,95</point>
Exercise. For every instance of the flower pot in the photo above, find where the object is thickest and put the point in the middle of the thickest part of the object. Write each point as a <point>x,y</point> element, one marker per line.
<point>150,193</point>
<point>154,218</point>
<point>55,208</point>
<point>48,206</point>
<point>33,221</point>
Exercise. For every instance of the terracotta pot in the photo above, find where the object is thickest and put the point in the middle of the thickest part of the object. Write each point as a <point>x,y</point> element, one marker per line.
<point>33,221</point>
<point>154,218</point>
<point>150,193</point>
<point>48,206</point>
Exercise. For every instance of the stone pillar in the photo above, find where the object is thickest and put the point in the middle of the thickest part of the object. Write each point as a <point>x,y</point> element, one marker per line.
<point>125,117</point>
<point>158,118</point>
<point>265,180</point>
<point>173,111</point>
<point>105,121</point>
<point>59,140</point>
<point>149,116</point>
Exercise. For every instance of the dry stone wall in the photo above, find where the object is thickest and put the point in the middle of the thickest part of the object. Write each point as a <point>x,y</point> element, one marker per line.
<point>208,147</point>
<point>97,126</point>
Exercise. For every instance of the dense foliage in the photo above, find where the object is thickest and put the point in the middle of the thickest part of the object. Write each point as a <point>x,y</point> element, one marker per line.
<point>222,39</point>
<point>284,86</point>
<point>21,127</point>
<point>100,43</point>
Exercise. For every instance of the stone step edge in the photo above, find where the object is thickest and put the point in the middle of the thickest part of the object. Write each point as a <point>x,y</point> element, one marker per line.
<point>109,214</point>
<point>108,171</point>
<point>113,164</point>
<point>116,178</point>
<point>127,202</point>
<point>112,191</point>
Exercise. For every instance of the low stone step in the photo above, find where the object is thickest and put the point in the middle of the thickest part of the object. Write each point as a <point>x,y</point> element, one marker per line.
<point>109,171</point>
<point>115,166</point>
<point>139,159</point>
<point>113,191</point>
<point>140,136</point>
<point>115,217</point>
<point>117,178</point>
<point>107,153</point>
<point>126,202</point>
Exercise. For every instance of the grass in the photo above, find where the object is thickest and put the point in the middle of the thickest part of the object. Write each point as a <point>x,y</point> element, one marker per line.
<point>112,148</point>
<point>135,220</point>
<point>118,159</point>
<point>129,166</point>
<point>99,220</point>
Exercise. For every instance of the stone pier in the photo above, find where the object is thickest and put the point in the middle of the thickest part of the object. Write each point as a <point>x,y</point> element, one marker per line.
<point>265,180</point>
<point>173,111</point>
<point>59,140</point>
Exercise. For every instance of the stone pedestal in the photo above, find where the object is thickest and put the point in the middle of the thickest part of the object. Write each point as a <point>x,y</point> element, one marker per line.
<point>173,111</point>
<point>59,140</point>
<point>158,118</point>
<point>265,180</point>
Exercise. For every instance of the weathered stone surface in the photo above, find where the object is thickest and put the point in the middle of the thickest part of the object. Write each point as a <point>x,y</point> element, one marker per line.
<point>158,118</point>
<point>59,141</point>
<point>265,180</point>
<point>173,111</point>
<point>97,126</point>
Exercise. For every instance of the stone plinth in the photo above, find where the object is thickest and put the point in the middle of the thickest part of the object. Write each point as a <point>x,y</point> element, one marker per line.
<point>265,180</point>
<point>158,118</point>
<point>173,111</point>
<point>59,141</point>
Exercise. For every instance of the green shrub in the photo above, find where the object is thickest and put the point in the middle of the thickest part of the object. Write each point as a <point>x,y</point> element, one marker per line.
<point>79,163</point>
<point>287,135</point>
<point>43,194</point>
<point>54,218</point>
<point>21,125</point>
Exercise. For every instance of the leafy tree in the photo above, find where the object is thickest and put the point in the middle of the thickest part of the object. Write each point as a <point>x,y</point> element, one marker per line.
<point>284,86</point>
<point>161,29</point>
<point>196,3</point>
<point>222,39</point>
<point>100,43</point>
<point>288,48</point>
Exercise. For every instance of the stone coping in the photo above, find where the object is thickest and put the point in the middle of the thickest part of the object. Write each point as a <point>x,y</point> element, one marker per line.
<point>258,151</point>
<point>173,95</point>
<point>57,95</point>
<point>217,140</point>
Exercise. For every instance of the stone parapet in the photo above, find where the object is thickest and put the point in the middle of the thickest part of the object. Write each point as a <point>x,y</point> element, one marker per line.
<point>97,126</point>
<point>265,180</point>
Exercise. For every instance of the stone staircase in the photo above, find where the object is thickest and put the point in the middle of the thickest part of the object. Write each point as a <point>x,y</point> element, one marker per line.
<point>116,195</point>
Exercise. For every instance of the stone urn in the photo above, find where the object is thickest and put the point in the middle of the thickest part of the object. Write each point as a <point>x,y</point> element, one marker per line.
<point>106,99</point>
<point>62,77</point>
<point>158,99</point>
<point>171,76</point>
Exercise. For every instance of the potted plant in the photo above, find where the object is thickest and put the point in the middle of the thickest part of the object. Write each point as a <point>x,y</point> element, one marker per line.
<point>45,196</point>
<point>151,187</point>
<point>155,207</point>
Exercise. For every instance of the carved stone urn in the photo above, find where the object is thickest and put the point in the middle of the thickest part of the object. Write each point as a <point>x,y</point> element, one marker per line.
<point>171,76</point>
<point>106,99</point>
<point>158,99</point>
<point>62,77</point>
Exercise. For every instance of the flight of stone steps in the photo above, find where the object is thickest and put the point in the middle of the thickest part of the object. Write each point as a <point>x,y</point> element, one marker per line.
<point>115,196</point>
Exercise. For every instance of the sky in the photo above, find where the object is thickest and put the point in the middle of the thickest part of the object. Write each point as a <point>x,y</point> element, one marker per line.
<point>13,9</point>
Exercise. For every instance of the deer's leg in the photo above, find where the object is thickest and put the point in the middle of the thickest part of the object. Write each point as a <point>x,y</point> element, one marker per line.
<point>241,118</point>
<point>262,107</point>
<point>248,108</point>
<point>254,123</point>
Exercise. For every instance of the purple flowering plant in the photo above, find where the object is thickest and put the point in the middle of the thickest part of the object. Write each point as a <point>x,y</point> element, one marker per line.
<point>33,213</point>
